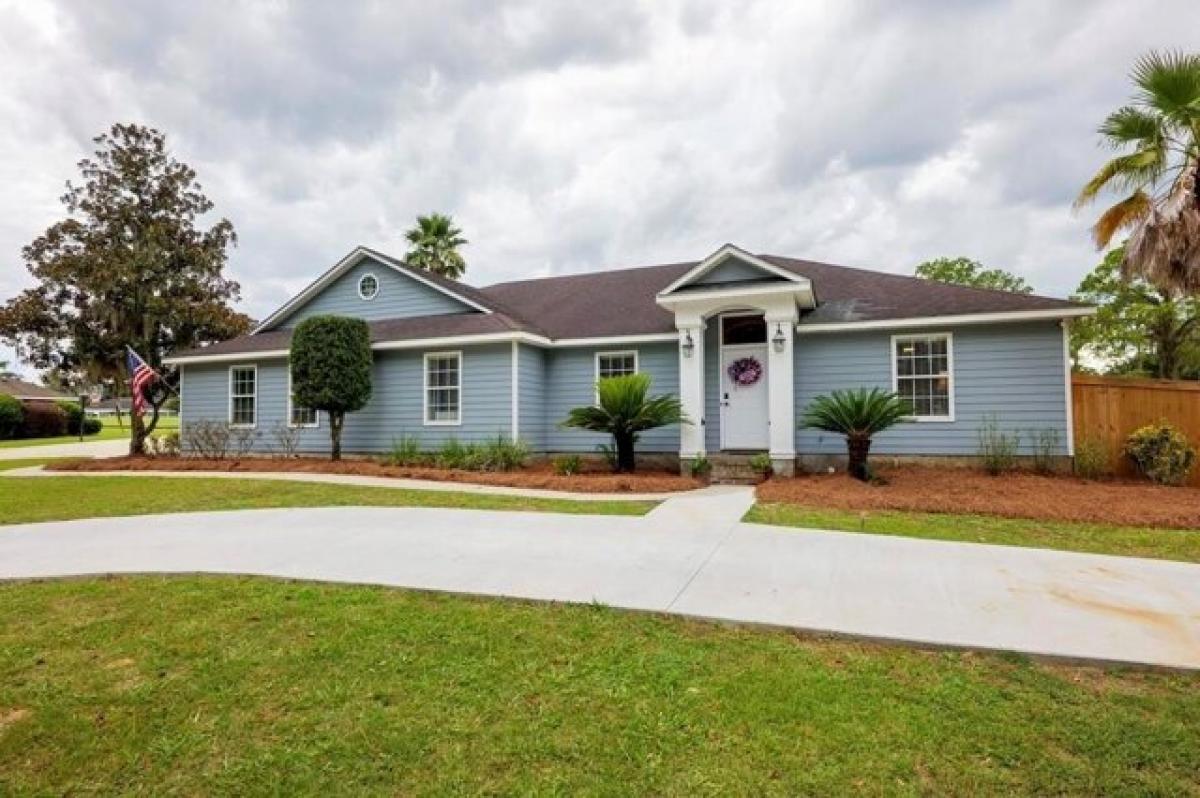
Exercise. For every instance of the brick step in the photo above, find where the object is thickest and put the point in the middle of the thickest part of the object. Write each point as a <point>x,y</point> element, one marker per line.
<point>734,469</point>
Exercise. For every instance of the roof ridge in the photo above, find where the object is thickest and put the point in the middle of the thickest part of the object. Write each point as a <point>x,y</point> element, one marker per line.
<point>914,278</point>
<point>591,273</point>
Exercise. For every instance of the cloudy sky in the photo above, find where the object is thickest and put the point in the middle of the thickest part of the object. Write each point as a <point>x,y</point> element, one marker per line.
<point>571,136</point>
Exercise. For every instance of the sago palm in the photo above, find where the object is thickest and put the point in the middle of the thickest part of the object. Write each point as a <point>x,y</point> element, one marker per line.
<point>624,410</point>
<point>859,414</point>
<point>435,242</point>
<point>1159,133</point>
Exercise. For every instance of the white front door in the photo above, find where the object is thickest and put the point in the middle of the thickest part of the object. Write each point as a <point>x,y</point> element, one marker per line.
<point>744,410</point>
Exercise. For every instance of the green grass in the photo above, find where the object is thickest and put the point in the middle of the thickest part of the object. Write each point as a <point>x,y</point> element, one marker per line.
<point>1166,544</point>
<point>210,685</point>
<point>28,499</point>
<point>109,432</point>
<point>28,462</point>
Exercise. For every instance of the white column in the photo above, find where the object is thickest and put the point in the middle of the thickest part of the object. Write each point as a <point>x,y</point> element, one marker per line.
<point>781,389</point>
<point>691,386</point>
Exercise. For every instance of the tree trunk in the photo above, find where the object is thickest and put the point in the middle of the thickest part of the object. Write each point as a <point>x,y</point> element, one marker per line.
<point>137,435</point>
<point>625,459</point>
<point>335,434</point>
<point>858,448</point>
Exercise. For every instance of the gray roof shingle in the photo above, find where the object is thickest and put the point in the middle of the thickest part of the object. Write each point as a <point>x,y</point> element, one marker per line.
<point>622,302</point>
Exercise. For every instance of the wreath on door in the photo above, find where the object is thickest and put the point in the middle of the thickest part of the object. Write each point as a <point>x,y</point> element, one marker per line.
<point>745,371</point>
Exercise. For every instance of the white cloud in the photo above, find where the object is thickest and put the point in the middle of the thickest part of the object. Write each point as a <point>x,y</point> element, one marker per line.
<point>584,135</point>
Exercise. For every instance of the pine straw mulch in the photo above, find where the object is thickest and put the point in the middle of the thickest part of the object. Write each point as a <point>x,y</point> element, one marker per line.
<point>1019,495</point>
<point>534,476</point>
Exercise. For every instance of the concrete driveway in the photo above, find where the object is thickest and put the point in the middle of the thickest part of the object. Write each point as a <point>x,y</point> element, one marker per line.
<point>689,556</point>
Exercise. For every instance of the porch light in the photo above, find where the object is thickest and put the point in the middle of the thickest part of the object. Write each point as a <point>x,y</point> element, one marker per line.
<point>778,339</point>
<point>688,345</point>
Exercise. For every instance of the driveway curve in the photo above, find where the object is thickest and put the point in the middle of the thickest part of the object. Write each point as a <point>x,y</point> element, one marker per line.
<point>690,556</point>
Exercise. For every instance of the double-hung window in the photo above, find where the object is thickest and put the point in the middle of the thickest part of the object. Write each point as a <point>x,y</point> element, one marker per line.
<point>299,415</point>
<point>243,396</point>
<point>443,388</point>
<point>615,364</point>
<point>923,374</point>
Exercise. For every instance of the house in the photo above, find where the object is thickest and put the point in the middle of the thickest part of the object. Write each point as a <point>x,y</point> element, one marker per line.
<point>17,388</point>
<point>746,341</point>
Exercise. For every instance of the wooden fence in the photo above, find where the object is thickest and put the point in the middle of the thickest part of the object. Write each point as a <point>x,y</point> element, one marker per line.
<point>1109,408</point>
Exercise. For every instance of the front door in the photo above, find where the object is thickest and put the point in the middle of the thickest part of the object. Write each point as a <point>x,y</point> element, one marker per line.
<point>744,411</point>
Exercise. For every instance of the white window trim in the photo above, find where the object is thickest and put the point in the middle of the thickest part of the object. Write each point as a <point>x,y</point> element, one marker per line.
<point>895,339</point>
<point>316,413</point>
<point>426,387</point>
<point>637,366</point>
<point>229,390</point>
<point>378,286</point>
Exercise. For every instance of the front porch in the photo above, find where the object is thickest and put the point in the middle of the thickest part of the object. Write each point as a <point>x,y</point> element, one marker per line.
<point>736,316</point>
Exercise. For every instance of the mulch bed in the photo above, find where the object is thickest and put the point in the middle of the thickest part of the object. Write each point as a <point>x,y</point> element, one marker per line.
<point>1018,495</point>
<point>535,476</point>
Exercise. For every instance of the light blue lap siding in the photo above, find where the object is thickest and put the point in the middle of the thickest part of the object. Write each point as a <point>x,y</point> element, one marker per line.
<point>712,386</point>
<point>570,382</point>
<point>531,389</point>
<point>1014,372</point>
<point>399,297</point>
<point>395,408</point>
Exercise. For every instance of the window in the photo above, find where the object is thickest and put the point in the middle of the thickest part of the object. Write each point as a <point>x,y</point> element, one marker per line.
<point>368,286</point>
<point>743,330</point>
<point>922,369</point>
<point>615,364</point>
<point>243,396</point>
<point>443,388</point>
<point>298,415</point>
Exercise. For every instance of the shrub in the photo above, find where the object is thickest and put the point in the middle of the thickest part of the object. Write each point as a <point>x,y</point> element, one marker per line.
<point>1045,443</point>
<point>286,438</point>
<point>208,439</point>
<point>12,415</point>
<point>504,454</point>
<point>761,463</point>
<point>243,440</point>
<point>406,451</point>
<point>43,420</point>
<point>1161,453</point>
<point>330,361</point>
<point>700,467</point>
<point>858,414</point>
<point>166,445</point>
<point>997,448</point>
<point>624,411</point>
<point>1092,458</point>
<point>568,465</point>
<point>76,418</point>
<point>92,425</point>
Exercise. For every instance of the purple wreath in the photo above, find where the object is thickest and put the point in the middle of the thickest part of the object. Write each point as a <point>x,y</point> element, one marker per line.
<point>745,371</point>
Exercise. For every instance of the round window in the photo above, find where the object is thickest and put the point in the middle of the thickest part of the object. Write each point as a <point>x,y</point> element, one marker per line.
<point>368,286</point>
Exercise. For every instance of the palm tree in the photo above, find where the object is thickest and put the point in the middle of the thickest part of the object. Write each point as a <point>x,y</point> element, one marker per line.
<point>624,411</point>
<point>1161,174</point>
<point>435,242</point>
<point>858,414</point>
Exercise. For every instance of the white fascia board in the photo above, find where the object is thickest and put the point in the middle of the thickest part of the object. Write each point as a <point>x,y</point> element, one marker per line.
<point>616,340</point>
<point>455,340</point>
<point>229,357</point>
<point>356,256</point>
<point>729,251</point>
<point>799,290</point>
<point>965,318</point>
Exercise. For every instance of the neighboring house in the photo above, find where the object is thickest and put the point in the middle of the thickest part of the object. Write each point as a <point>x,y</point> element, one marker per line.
<point>511,359</point>
<point>28,392</point>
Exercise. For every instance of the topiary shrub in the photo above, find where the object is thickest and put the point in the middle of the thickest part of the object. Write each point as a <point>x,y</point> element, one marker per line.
<point>12,414</point>
<point>330,360</point>
<point>1161,453</point>
<point>43,420</point>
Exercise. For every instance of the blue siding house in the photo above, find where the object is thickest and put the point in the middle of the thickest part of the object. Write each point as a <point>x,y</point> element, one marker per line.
<point>746,342</point>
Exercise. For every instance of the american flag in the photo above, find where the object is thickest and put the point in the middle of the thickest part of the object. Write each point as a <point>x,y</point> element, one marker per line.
<point>140,375</point>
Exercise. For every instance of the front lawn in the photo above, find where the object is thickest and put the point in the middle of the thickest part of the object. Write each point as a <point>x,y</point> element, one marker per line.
<point>27,462</point>
<point>251,686</point>
<point>28,499</point>
<point>109,432</point>
<point>1127,541</point>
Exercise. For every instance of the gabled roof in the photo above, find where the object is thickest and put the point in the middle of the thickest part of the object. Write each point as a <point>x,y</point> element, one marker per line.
<point>624,303</point>
<point>726,253</point>
<point>452,288</point>
<point>11,386</point>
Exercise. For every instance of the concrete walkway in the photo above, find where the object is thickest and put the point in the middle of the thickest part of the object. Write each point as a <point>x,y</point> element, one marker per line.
<point>109,448</point>
<point>689,556</point>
